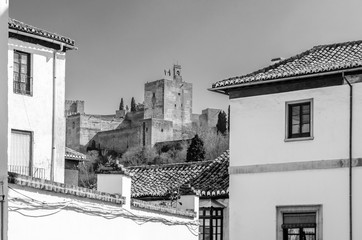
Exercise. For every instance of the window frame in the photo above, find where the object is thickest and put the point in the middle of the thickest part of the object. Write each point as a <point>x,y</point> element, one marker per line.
<point>288,104</point>
<point>31,145</point>
<point>16,83</point>
<point>317,209</point>
<point>211,217</point>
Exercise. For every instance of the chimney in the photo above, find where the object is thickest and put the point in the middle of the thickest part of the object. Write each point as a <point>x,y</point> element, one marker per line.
<point>190,202</point>
<point>115,182</point>
<point>277,59</point>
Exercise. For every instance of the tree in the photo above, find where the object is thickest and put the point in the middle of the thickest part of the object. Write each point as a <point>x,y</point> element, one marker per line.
<point>121,106</point>
<point>221,122</point>
<point>195,151</point>
<point>215,144</point>
<point>133,105</point>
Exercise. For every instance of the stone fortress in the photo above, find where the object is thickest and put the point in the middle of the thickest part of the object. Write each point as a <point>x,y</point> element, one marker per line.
<point>166,115</point>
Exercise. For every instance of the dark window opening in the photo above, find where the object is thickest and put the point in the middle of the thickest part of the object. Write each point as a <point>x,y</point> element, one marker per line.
<point>21,79</point>
<point>299,226</point>
<point>211,224</point>
<point>299,120</point>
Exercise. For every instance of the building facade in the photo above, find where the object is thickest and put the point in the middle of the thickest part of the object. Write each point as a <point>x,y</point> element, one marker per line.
<point>170,184</point>
<point>36,80</point>
<point>295,160</point>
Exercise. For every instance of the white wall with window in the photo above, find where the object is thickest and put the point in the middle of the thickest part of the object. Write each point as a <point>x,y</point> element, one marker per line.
<point>30,79</point>
<point>269,148</point>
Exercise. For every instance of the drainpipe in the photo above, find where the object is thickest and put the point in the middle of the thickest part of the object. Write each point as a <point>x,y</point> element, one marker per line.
<point>52,164</point>
<point>350,155</point>
<point>2,209</point>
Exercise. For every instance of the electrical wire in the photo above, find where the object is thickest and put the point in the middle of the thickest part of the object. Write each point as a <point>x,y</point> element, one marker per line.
<point>28,204</point>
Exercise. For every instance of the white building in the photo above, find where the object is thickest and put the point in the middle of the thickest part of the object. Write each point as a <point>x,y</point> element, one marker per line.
<point>295,150</point>
<point>4,15</point>
<point>36,80</point>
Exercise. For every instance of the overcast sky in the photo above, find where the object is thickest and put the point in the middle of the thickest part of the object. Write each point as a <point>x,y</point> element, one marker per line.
<point>125,43</point>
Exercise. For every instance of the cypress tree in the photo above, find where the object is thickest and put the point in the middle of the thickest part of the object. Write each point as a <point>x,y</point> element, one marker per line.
<point>133,105</point>
<point>221,122</point>
<point>121,106</point>
<point>195,151</point>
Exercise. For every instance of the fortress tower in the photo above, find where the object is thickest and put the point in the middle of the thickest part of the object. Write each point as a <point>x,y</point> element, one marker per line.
<point>170,99</point>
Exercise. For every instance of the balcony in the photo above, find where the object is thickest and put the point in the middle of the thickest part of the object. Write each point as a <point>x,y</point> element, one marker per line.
<point>24,170</point>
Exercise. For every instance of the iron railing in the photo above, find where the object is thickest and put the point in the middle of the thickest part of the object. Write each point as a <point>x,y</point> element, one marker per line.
<point>24,170</point>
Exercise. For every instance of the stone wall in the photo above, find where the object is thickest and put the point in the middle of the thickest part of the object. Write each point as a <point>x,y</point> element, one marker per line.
<point>119,140</point>
<point>73,132</point>
<point>81,128</point>
<point>162,130</point>
<point>154,99</point>
<point>72,107</point>
<point>209,117</point>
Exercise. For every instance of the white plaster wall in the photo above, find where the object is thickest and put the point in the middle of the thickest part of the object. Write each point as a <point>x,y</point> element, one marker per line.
<point>34,113</point>
<point>254,197</point>
<point>68,224</point>
<point>4,130</point>
<point>258,127</point>
<point>257,137</point>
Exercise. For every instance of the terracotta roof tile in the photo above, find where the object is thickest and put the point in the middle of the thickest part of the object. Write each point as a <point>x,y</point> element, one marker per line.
<point>319,59</point>
<point>205,178</point>
<point>74,155</point>
<point>26,28</point>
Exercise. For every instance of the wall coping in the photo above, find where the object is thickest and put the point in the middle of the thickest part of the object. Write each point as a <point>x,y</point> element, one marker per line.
<point>163,209</point>
<point>56,187</point>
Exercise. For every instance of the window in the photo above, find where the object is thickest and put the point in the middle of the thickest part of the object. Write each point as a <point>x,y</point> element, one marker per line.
<point>299,222</point>
<point>22,78</point>
<point>299,120</point>
<point>20,153</point>
<point>211,224</point>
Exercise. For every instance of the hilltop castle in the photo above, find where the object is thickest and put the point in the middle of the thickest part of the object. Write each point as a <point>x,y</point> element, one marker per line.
<point>166,115</point>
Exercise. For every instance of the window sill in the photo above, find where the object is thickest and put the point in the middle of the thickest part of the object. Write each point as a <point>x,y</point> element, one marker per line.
<point>24,94</point>
<point>298,139</point>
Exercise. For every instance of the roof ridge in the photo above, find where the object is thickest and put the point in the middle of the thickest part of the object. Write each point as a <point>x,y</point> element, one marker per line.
<point>338,44</point>
<point>171,164</point>
<point>271,66</point>
<point>318,59</point>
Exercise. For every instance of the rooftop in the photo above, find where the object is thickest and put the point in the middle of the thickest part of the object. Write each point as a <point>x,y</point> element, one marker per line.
<point>28,29</point>
<point>319,59</point>
<point>205,178</point>
<point>50,186</point>
<point>71,154</point>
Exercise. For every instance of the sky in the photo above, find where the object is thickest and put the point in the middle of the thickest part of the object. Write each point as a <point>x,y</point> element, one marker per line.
<point>123,44</point>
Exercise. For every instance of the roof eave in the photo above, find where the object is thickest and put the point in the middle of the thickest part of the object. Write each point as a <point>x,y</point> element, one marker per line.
<point>65,45</point>
<point>224,89</point>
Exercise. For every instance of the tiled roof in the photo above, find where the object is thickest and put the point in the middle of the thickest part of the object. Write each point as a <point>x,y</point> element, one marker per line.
<point>319,59</point>
<point>205,178</point>
<point>47,185</point>
<point>26,28</point>
<point>74,155</point>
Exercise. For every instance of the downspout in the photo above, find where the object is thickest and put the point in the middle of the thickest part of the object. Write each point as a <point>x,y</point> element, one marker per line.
<point>350,155</point>
<point>2,209</point>
<point>52,164</point>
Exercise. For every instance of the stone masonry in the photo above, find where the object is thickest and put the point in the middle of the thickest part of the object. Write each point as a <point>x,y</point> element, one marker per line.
<point>166,115</point>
